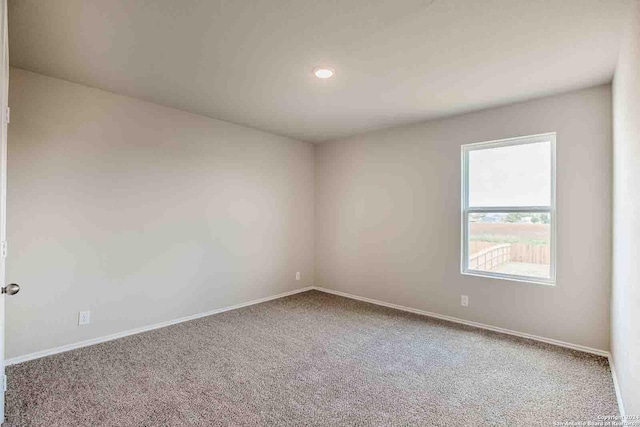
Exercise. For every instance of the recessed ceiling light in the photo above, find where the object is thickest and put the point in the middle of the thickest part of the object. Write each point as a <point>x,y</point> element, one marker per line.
<point>323,73</point>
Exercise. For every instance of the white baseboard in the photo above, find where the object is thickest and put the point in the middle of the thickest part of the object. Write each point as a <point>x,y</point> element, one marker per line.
<point>469,323</point>
<point>99,340</point>
<point>616,385</point>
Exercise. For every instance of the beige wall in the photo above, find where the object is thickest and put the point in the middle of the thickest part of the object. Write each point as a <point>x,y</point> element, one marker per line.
<point>388,218</point>
<point>142,213</point>
<point>625,305</point>
<point>199,214</point>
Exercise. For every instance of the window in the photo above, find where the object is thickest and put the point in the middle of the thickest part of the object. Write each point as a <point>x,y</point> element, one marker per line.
<point>508,209</point>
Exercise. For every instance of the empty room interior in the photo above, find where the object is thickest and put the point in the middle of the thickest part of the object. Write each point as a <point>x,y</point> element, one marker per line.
<point>320,213</point>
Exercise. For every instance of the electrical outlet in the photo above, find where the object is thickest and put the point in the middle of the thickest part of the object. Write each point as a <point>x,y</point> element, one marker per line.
<point>84,318</point>
<point>464,301</point>
<point>297,275</point>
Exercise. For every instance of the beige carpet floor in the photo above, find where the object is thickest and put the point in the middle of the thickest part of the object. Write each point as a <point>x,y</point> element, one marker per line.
<point>312,359</point>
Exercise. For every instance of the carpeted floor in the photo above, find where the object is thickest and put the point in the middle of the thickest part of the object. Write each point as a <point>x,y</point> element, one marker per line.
<point>312,359</point>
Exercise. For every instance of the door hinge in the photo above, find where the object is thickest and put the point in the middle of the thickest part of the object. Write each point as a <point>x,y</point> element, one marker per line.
<point>3,249</point>
<point>7,115</point>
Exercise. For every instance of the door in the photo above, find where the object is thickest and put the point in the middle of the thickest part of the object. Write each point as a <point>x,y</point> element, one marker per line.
<point>4,91</point>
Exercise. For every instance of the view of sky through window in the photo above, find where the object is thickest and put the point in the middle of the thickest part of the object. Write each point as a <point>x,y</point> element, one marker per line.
<point>514,175</point>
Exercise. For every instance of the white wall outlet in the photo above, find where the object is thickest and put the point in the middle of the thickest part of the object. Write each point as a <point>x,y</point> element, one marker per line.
<point>84,318</point>
<point>464,300</point>
<point>297,275</point>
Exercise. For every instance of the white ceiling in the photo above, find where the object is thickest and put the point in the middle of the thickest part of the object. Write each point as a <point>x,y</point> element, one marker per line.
<point>250,61</point>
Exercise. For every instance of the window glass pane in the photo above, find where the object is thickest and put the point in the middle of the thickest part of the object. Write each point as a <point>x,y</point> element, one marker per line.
<point>515,175</point>
<point>510,243</point>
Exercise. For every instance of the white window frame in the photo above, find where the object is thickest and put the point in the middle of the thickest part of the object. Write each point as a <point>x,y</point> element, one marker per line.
<point>466,209</point>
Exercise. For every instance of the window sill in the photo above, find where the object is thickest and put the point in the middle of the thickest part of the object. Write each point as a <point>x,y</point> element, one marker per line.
<point>521,279</point>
